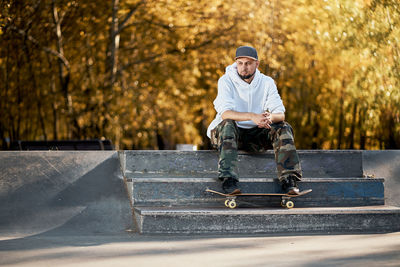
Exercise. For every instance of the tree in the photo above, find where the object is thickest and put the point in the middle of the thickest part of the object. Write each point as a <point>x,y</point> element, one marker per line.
<point>143,73</point>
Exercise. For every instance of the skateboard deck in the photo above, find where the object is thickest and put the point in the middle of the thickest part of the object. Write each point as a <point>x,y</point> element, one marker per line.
<point>230,201</point>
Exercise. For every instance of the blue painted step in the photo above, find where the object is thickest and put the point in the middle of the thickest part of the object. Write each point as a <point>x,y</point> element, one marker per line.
<point>190,191</point>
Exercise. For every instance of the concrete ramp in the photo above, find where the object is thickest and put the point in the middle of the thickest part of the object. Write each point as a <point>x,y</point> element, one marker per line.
<point>62,192</point>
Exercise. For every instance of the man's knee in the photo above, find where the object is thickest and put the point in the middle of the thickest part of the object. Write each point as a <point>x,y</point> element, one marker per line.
<point>288,126</point>
<point>228,123</point>
<point>227,134</point>
<point>227,128</point>
<point>283,128</point>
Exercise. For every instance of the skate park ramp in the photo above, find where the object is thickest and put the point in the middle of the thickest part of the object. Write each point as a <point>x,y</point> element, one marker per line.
<point>62,193</point>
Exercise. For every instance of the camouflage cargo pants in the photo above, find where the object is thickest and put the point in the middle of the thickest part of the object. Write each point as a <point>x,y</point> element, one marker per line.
<point>227,137</point>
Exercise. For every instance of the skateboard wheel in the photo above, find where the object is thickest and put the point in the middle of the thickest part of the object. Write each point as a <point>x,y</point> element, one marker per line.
<point>289,204</point>
<point>232,204</point>
<point>227,203</point>
<point>283,204</point>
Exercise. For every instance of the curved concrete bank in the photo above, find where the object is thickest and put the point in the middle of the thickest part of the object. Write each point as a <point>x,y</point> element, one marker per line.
<point>62,192</point>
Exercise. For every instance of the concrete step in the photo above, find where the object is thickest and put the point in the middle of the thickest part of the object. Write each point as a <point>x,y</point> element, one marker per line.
<point>195,164</point>
<point>186,220</point>
<point>327,192</point>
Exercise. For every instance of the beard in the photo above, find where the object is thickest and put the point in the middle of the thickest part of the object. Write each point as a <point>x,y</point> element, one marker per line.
<point>245,77</point>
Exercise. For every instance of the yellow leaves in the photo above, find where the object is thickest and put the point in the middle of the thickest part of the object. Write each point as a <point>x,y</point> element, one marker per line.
<point>321,53</point>
<point>366,3</point>
<point>196,72</point>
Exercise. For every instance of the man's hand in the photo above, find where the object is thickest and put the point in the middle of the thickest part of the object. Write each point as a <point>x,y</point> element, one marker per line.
<point>263,120</point>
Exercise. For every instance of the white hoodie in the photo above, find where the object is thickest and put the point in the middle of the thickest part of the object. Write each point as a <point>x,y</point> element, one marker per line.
<point>237,95</point>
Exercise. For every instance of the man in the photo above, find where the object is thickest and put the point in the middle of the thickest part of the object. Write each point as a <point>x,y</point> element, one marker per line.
<point>250,116</point>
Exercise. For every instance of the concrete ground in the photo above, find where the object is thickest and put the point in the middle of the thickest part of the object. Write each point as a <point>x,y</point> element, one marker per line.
<point>136,250</point>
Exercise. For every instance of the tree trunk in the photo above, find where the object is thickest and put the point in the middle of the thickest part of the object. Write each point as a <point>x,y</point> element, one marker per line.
<point>363,136</point>
<point>341,118</point>
<point>112,53</point>
<point>353,127</point>
<point>316,127</point>
<point>340,127</point>
<point>38,94</point>
<point>390,128</point>
<point>54,107</point>
<point>64,75</point>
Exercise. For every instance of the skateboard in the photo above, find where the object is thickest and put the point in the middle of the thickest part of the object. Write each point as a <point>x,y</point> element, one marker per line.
<point>230,201</point>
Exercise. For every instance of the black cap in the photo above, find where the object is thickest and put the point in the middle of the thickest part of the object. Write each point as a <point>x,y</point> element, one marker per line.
<point>246,51</point>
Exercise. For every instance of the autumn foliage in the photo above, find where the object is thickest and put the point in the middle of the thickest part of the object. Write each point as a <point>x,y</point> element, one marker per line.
<point>144,73</point>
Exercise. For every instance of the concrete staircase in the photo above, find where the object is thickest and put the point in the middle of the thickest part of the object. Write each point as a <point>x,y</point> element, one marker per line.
<point>167,193</point>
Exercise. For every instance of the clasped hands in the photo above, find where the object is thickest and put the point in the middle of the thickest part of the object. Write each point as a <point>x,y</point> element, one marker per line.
<point>263,120</point>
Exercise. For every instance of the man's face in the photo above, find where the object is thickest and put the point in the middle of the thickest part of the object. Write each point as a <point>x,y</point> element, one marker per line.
<point>246,67</point>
